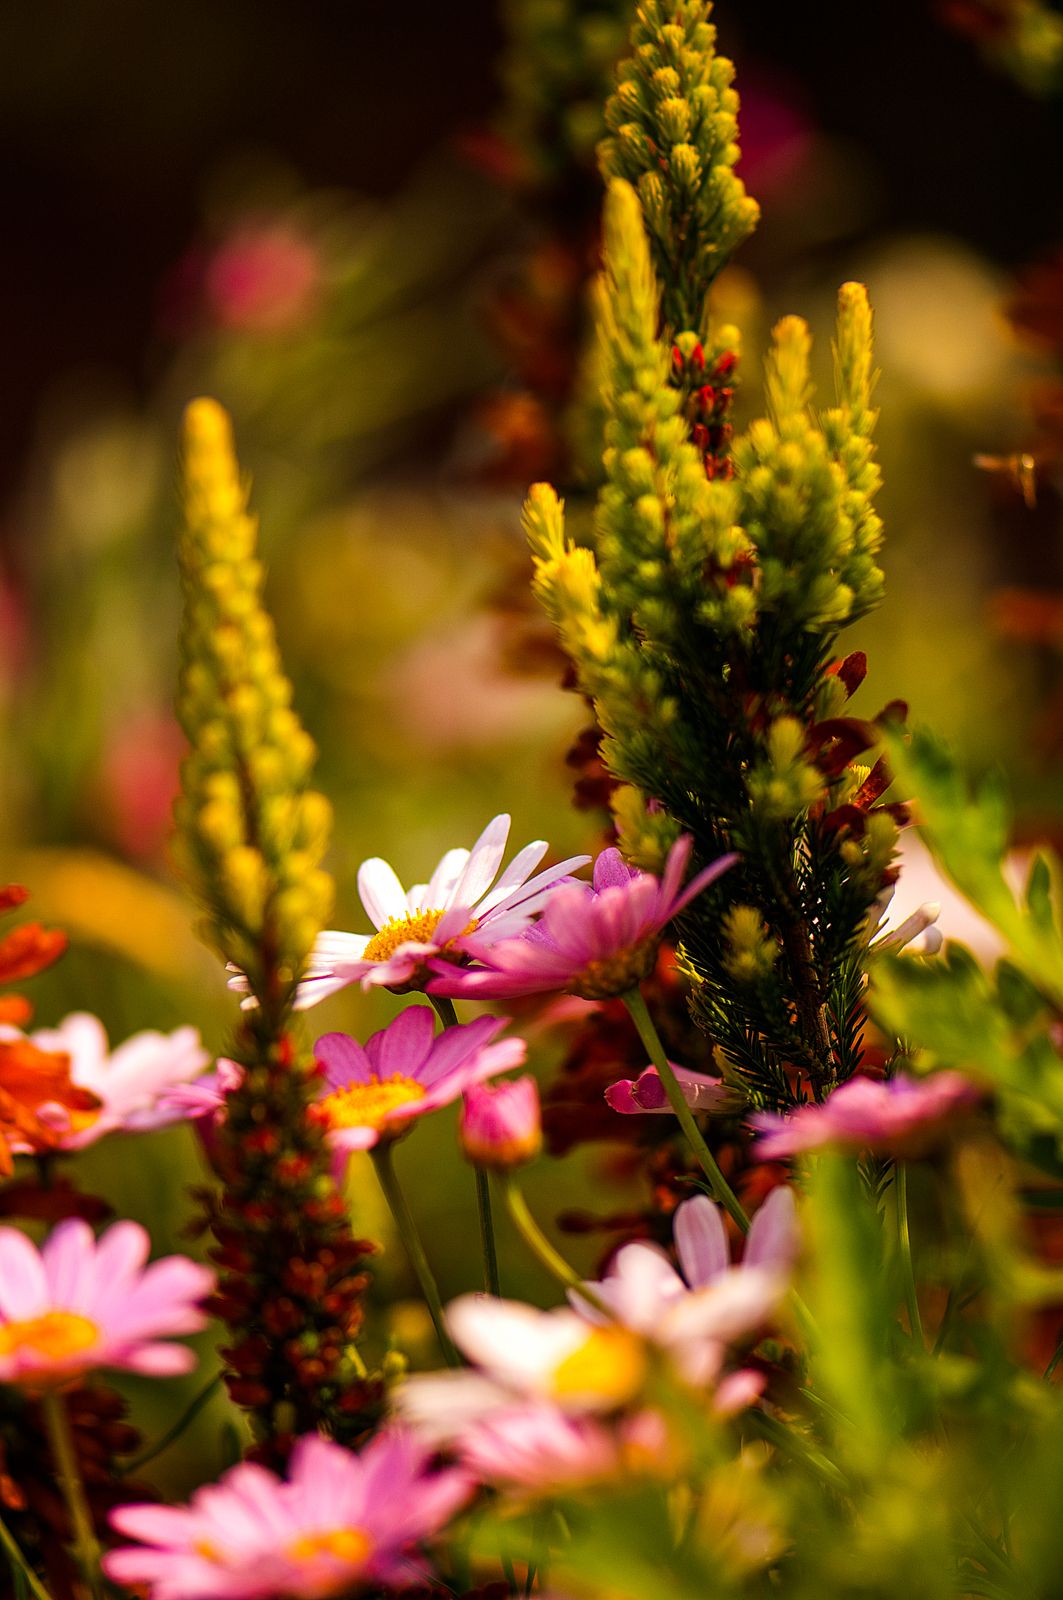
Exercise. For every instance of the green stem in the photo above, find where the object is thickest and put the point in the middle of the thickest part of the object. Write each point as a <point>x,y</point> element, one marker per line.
<point>191,1411</point>
<point>721,1189</point>
<point>389,1183</point>
<point>900,1184</point>
<point>13,1551</point>
<point>61,1438</point>
<point>487,1234</point>
<point>489,1250</point>
<point>540,1246</point>
<point>798,1448</point>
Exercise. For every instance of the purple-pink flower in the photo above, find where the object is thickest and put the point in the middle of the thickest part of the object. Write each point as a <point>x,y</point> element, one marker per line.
<point>79,1303</point>
<point>406,1069</point>
<point>338,1522</point>
<point>903,1116</point>
<point>500,1123</point>
<point>635,1096</point>
<point>595,941</point>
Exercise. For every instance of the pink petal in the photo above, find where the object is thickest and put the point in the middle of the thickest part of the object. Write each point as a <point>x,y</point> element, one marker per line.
<point>343,1059</point>
<point>700,1241</point>
<point>773,1235</point>
<point>23,1286</point>
<point>402,1048</point>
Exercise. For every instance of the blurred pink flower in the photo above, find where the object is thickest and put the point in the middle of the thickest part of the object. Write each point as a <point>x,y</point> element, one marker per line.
<point>718,1303</point>
<point>428,919</point>
<point>903,1116</point>
<point>79,1303</point>
<point>593,941</point>
<point>404,1071</point>
<point>500,1123</point>
<point>340,1520</point>
<point>139,781</point>
<point>131,1082</point>
<point>264,278</point>
<point>634,1096</point>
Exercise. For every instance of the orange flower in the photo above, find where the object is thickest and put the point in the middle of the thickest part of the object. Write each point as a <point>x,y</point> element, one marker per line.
<point>31,1079</point>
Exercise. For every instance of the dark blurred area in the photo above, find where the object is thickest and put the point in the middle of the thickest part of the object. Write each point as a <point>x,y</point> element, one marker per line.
<point>115,119</point>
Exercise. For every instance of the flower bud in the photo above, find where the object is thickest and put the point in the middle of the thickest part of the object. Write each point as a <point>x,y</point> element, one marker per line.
<point>500,1125</point>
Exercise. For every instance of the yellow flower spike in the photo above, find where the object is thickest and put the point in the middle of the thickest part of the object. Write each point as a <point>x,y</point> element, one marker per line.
<point>252,835</point>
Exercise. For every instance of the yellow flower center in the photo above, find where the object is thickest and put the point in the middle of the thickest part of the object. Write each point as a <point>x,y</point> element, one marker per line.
<point>367,1105</point>
<point>56,1336</point>
<point>419,927</point>
<point>610,1364</point>
<point>349,1546</point>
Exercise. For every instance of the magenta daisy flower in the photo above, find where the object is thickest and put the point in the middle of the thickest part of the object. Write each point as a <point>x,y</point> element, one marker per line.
<point>415,924</point>
<point>902,1116</point>
<point>80,1303</point>
<point>131,1083</point>
<point>340,1521</point>
<point>403,1071</point>
<point>595,941</point>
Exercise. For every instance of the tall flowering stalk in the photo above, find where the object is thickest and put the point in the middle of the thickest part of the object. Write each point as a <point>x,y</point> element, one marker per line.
<point>702,619</point>
<point>251,836</point>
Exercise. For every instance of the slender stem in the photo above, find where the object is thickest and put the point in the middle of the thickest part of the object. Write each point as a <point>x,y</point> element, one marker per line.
<point>389,1183</point>
<point>61,1438</point>
<point>721,1189</point>
<point>540,1246</point>
<point>489,1250</point>
<point>191,1411</point>
<point>900,1185</point>
<point>16,1558</point>
<point>487,1234</point>
<point>798,1448</point>
<point>444,1010</point>
<point>1056,1359</point>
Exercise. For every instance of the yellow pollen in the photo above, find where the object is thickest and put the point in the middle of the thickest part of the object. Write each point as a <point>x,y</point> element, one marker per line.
<point>610,1365</point>
<point>352,1546</point>
<point>367,1105</point>
<point>56,1335</point>
<point>419,927</point>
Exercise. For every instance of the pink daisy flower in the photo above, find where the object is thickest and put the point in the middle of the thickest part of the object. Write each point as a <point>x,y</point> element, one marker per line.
<point>415,924</point>
<point>404,1071</point>
<point>902,1116</point>
<point>131,1083</point>
<point>595,942</point>
<point>718,1303</point>
<point>338,1522</point>
<point>646,1093</point>
<point>78,1303</point>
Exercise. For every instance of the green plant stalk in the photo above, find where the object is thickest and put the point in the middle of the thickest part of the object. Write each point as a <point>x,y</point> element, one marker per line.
<point>389,1183</point>
<point>900,1183</point>
<point>17,1560</point>
<point>799,1449</point>
<point>191,1411</point>
<point>721,1189</point>
<point>86,1545</point>
<point>542,1249</point>
<point>448,1017</point>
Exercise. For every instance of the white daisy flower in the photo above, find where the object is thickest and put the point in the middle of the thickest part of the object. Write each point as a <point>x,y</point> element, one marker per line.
<point>431,918</point>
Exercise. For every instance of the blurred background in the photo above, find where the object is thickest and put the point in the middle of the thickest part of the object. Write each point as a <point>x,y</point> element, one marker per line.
<point>368,230</point>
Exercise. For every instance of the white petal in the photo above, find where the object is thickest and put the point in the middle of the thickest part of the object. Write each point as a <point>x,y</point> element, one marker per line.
<point>485,858</point>
<point>381,893</point>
